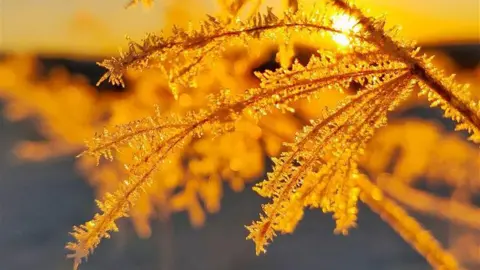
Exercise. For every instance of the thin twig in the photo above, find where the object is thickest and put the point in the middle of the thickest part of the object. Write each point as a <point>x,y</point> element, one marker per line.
<point>408,228</point>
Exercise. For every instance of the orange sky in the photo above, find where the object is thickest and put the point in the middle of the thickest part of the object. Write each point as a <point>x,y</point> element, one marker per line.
<point>99,26</point>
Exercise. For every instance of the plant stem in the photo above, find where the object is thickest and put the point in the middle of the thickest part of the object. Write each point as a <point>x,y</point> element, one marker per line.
<point>406,226</point>
<point>418,68</point>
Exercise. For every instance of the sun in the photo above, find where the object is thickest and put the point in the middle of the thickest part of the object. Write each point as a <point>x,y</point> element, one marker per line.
<point>347,24</point>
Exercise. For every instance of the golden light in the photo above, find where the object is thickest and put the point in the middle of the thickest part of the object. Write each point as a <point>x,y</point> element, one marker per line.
<point>347,24</point>
<point>95,34</point>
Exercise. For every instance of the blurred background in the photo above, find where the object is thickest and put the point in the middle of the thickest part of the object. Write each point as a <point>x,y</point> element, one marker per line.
<point>50,105</point>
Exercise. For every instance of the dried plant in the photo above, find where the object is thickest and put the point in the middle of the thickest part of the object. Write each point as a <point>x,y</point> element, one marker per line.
<point>320,167</point>
<point>180,154</point>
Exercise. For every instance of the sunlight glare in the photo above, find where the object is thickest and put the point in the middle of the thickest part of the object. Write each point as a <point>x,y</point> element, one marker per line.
<point>346,24</point>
